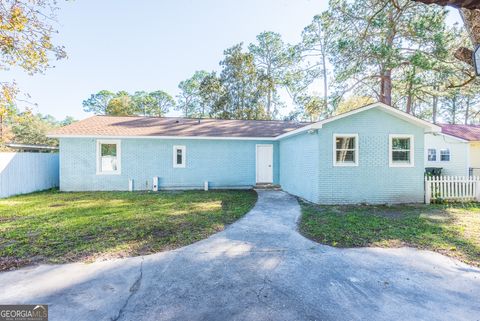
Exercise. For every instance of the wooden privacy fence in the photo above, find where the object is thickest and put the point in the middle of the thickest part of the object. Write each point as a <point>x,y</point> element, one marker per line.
<point>27,172</point>
<point>453,188</point>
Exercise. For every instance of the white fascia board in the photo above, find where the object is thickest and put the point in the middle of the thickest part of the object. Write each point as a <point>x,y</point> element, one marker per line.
<point>296,131</point>
<point>429,127</point>
<point>450,136</point>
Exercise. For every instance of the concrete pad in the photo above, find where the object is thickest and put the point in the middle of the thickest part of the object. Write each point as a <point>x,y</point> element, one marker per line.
<point>259,268</point>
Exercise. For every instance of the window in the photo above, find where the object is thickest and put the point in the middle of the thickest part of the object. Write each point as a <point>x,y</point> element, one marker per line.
<point>401,151</point>
<point>108,157</point>
<point>445,155</point>
<point>179,155</point>
<point>432,155</point>
<point>345,149</point>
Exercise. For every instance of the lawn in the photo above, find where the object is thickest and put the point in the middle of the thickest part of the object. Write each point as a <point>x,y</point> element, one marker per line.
<point>450,229</point>
<point>56,227</point>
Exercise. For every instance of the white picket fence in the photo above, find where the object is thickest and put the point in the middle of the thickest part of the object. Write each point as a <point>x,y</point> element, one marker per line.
<point>452,188</point>
<point>27,172</point>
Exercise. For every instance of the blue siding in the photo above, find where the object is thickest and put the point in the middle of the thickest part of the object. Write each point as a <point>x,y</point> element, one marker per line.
<point>299,165</point>
<point>303,164</point>
<point>372,181</point>
<point>224,163</point>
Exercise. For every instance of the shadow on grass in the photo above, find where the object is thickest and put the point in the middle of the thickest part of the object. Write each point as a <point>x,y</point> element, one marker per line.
<point>452,229</point>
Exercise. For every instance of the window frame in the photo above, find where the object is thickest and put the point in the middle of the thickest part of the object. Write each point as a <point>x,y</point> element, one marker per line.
<point>390,150</point>
<point>118,144</point>
<point>183,148</point>
<point>449,155</point>
<point>428,154</point>
<point>334,154</point>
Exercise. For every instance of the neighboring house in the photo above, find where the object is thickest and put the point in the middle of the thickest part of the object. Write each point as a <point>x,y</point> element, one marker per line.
<point>373,154</point>
<point>32,148</point>
<point>456,150</point>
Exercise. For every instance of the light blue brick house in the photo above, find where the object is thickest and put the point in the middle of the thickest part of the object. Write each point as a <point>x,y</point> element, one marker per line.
<point>374,154</point>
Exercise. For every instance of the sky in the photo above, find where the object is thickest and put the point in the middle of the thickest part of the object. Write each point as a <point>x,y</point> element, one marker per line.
<point>152,45</point>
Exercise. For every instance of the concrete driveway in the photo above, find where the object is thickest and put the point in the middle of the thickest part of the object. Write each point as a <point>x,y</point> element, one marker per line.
<point>259,268</point>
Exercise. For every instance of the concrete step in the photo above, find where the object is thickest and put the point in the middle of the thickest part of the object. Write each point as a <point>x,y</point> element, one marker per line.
<point>268,186</point>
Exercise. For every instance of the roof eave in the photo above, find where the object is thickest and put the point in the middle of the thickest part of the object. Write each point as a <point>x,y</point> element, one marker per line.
<point>161,137</point>
<point>427,126</point>
<point>463,140</point>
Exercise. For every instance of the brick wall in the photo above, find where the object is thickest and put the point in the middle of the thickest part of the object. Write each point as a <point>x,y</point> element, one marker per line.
<point>372,181</point>
<point>299,165</point>
<point>223,163</point>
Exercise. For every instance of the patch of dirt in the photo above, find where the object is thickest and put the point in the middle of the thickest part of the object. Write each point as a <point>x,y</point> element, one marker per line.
<point>56,205</point>
<point>11,263</point>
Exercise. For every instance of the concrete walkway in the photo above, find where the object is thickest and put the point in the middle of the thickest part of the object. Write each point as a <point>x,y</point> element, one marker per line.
<point>259,268</point>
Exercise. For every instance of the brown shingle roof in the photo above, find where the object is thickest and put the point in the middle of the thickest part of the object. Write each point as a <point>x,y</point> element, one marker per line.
<point>173,126</point>
<point>467,132</point>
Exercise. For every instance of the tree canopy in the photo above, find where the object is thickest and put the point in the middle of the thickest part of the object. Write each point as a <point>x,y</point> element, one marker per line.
<point>26,33</point>
<point>399,52</point>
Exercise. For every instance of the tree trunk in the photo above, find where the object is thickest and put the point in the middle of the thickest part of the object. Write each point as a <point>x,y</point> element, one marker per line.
<point>409,104</point>
<point>325,82</point>
<point>269,94</point>
<point>387,72</point>
<point>409,98</point>
<point>434,107</point>
<point>269,103</point>
<point>409,91</point>
<point>454,109</point>
<point>386,87</point>
<point>467,111</point>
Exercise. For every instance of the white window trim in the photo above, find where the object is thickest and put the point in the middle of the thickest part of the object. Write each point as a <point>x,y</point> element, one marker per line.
<point>334,154</point>
<point>449,155</point>
<point>99,156</point>
<point>184,156</point>
<point>390,150</point>
<point>436,154</point>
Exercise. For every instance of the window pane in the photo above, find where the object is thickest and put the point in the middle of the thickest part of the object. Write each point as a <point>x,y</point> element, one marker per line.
<point>108,157</point>
<point>401,156</point>
<point>445,155</point>
<point>345,156</point>
<point>345,142</point>
<point>109,163</point>
<point>179,156</point>
<point>400,143</point>
<point>432,155</point>
<point>109,150</point>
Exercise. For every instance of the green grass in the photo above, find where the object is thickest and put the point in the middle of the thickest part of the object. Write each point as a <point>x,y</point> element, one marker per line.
<point>451,229</point>
<point>56,227</point>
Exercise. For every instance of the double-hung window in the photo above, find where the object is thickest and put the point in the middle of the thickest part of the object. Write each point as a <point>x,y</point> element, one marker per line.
<point>108,157</point>
<point>345,150</point>
<point>179,156</point>
<point>445,155</point>
<point>432,155</point>
<point>401,151</point>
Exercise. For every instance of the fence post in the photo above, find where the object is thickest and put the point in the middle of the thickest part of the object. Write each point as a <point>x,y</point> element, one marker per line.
<point>477,188</point>
<point>428,191</point>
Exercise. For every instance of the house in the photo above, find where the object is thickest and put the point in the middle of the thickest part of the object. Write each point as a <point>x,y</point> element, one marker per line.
<point>32,148</point>
<point>456,150</point>
<point>373,154</point>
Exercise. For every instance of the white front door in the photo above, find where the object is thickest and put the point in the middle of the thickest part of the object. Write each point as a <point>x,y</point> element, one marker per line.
<point>264,163</point>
